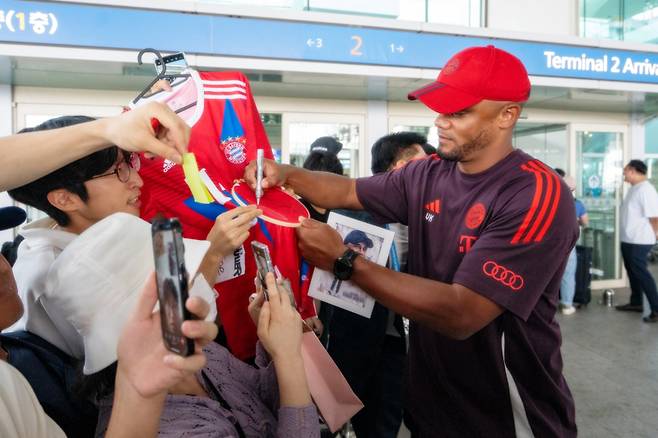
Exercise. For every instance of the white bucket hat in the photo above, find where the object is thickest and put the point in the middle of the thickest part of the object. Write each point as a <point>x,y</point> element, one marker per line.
<point>100,275</point>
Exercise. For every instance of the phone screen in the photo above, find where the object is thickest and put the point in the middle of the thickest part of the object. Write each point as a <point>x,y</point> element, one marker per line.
<point>263,263</point>
<point>171,278</point>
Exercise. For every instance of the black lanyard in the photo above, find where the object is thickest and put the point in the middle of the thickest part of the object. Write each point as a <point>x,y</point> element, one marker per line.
<point>223,403</point>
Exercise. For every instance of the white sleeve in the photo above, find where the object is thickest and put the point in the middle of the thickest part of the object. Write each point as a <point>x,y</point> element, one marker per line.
<point>650,201</point>
<point>201,288</point>
<point>21,415</point>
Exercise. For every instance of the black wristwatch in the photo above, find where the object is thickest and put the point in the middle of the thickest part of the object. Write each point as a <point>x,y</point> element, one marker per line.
<point>344,265</point>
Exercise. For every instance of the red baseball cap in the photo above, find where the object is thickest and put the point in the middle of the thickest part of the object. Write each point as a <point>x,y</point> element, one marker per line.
<point>473,75</point>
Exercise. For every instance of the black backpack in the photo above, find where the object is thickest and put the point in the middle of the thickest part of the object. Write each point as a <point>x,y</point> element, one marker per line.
<point>52,374</point>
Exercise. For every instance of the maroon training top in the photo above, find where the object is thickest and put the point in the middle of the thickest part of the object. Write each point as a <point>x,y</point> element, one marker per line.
<point>504,233</point>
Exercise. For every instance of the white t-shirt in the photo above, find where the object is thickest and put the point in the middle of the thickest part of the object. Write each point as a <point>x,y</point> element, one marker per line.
<point>640,204</point>
<point>21,415</point>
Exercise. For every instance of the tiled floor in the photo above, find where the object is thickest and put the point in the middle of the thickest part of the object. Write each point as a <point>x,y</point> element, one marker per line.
<point>611,365</point>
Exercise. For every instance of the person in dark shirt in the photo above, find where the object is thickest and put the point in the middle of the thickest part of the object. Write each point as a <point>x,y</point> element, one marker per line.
<point>490,229</point>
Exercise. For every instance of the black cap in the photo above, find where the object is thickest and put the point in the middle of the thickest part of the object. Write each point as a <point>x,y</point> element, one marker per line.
<point>357,237</point>
<point>327,145</point>
<point>11,217</point>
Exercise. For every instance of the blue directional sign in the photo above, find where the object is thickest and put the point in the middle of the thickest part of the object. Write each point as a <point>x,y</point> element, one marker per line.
<point>65,24</point>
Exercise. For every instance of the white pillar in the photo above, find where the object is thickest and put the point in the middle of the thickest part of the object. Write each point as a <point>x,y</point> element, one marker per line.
<point>376,127</point>
<point>637,128</point>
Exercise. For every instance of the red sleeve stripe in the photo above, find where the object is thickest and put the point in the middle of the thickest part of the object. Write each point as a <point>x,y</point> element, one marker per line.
<point>548,194</point>
<point>533,206</point>
<point>556,200</point>
<point>545,199</point>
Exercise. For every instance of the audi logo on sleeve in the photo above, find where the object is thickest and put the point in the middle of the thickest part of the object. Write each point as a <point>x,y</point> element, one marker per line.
<point>503,275</point>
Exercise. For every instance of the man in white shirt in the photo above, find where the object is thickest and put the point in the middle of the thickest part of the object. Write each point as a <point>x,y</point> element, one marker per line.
<point>639,226</point>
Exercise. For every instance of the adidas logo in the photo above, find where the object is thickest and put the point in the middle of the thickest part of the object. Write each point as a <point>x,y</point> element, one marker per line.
<point>168,164</point>
<point>434,206</point>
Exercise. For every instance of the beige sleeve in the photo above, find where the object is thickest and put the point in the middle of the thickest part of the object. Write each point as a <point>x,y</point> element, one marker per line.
<point>21,415</point>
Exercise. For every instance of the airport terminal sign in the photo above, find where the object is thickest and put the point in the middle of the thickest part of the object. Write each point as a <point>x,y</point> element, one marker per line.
<point>81,25</point>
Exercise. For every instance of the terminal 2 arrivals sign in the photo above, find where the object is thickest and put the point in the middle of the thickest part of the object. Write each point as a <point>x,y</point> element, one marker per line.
<point>84,25</point>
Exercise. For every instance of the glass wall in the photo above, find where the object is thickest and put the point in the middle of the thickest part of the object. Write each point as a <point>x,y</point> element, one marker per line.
<point>455,12</point>
<point>599,183</point>
<point>546,142</point>
<point>302,134</point>
<point>629,20</point>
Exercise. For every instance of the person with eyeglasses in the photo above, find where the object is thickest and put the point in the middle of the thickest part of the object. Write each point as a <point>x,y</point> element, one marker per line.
<point>75,197</point>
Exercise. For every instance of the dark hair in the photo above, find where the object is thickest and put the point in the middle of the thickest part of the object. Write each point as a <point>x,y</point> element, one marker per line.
<point>325,162</point>
<point>560,172</point>
<point>390,147</point>
<point>638,166</point>
<point>70,177</point>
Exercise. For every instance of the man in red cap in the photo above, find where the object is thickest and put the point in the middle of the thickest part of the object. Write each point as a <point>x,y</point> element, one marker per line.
<point>490,229</point>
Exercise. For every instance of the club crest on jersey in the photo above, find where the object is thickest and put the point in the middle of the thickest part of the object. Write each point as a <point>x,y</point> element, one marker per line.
<point>235,150</point>
<point>475,216</point>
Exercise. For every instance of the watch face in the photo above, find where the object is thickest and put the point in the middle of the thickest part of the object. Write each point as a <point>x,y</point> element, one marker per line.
<point>343,265</point>
<point>341,270</point>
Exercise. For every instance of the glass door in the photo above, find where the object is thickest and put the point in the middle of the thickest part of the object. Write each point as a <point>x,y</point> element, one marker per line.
<point>547,142</point>
<point>599,166</point>
<point>300,130</point>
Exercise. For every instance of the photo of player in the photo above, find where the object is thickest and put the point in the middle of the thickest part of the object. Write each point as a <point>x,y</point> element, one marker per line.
<point>370,242</point>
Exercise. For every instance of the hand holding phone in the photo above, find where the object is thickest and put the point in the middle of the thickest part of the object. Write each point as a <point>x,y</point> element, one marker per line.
<point>172,283</point>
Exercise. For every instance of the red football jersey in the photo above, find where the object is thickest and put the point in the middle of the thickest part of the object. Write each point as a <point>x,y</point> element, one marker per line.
<point>226,132</point>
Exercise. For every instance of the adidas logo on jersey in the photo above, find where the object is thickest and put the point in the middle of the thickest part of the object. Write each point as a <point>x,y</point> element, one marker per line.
<point>431,209</point>
<point>168,164</point>
<point>434,206</point>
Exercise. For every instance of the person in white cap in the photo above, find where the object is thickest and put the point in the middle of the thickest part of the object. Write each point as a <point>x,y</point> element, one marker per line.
<point>490,229</point>
<point>75,197</point>
<point>145,374</point>
<point>97,289</point>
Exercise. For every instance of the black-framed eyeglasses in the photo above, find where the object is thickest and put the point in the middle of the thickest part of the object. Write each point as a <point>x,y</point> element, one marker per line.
<point>123,168</point>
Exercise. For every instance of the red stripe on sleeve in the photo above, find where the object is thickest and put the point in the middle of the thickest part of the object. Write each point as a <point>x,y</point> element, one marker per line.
<point>546,202</point>
<point>556,200</point>
<point>533,206</point>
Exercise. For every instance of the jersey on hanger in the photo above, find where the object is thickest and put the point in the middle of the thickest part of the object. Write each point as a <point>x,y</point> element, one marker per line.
<point>226,132</point>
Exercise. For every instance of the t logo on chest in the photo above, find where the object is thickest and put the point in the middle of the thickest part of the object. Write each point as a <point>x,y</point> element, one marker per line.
<point>466,242</point>
<point>473,219</point>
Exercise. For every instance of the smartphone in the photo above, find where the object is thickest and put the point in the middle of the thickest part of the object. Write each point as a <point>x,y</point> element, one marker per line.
<point>263,263</point>
<point>172,282</point>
